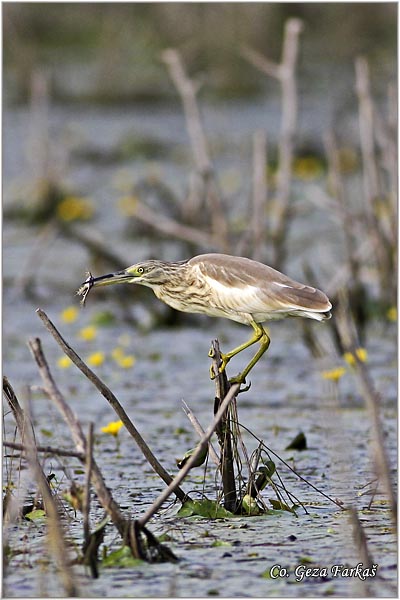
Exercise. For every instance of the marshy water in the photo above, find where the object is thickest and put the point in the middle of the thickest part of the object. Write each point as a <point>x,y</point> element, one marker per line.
<point>228,557</point>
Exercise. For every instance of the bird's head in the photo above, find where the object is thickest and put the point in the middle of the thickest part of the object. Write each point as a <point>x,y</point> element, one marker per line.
<point>151,273</point>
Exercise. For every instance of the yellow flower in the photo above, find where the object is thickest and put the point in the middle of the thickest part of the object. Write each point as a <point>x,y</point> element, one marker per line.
<point>126,362</point>
<point>64,362</point>
<point>96,359</point>
<point>392,314</point>
<point>112,428</point>
<point>117,353</point>
<point>361,354</point>
<point>70,314</point>
<point>88,333</point>
<point>73,208</point>
<point>334,374</point>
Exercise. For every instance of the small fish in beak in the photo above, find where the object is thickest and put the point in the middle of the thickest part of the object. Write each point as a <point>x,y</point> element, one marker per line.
<point>85,288</point>
<point>109,279</point>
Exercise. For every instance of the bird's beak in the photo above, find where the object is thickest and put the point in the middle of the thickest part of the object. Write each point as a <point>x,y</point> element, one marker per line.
<point>110,279</point>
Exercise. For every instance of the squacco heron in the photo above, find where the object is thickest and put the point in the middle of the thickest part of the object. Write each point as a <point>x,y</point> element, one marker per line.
<point>219,285</point>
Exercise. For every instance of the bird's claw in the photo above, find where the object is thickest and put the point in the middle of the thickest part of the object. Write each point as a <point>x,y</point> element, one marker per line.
<point>245,389</point>
<point>222,366</point>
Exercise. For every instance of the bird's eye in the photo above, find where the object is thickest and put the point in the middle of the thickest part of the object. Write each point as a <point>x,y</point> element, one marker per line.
<point>140,270</point>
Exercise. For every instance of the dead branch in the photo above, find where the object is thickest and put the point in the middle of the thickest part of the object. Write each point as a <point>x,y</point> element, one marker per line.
<point>187,90</point>
<point>45,449</point>
<point>74,425</point>
<point>336,182</point>
<point>199,430</point>
<point>372,400</point>
<point>55,533</point>
<point>223,430</point>
<point>125,526</point>
<point>88,476</point>
<point>172,228</point>
<point>366,123</point>
<point>113,401</point>
<point>260,194</point>
<point>285,73</point>
<point>16,409</point>
<point>383,252</point>
<point>263,64</point>
<point>93,244</point>
<point>360,539</point>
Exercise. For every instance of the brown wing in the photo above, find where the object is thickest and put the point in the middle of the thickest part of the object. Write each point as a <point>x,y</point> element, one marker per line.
<point>261,286</point>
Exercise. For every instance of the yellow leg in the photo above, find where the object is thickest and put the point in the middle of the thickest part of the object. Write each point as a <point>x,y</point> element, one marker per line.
<point>260,335</point>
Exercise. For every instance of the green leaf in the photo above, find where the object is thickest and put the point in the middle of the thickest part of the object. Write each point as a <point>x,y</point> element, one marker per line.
<point>278,505</point>
<point>218,543</point>
<point>180,462</point>
<point>46,432</point>
<point>265,474</point>
<point>250,506</point>
<point>121,558</point>
<point>298,443</point>
<point>35,515</point>
<point>204,508</point>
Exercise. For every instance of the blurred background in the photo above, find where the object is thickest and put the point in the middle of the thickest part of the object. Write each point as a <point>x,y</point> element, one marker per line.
<point>165,130</point>
<point>109,53</point>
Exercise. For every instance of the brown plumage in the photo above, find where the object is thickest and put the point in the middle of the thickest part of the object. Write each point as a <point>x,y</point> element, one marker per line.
<point>219,285</point>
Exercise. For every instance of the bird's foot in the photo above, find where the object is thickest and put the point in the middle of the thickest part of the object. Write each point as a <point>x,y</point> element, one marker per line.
<point>224,361</point>
<point>241,380</point>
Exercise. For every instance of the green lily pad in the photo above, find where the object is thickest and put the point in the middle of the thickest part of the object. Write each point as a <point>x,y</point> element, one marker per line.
<point>218,543</point>
<point>204,508</point>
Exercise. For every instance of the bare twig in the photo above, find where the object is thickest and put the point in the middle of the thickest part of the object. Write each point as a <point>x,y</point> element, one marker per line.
<point>260,194</point>
<point>88,476</point>
<point>361,543</point>
<point>371,398</point>
<point>223,431</point>
<point>366,122</point>
<point>336,183</point>
<point>131,532</point>
<point>383,250</point>
<point>94,244</point>
<point>360,539</point>
<point>199,430</point>
<point>188,92</point>
<point>170,227</point>
<point>74,425</point>
<point>55,533</point>
<point>113,401</point>
<point>262,63</point>
<point>192,460</point>
<point>45,450</point>
<point>285,72</point>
